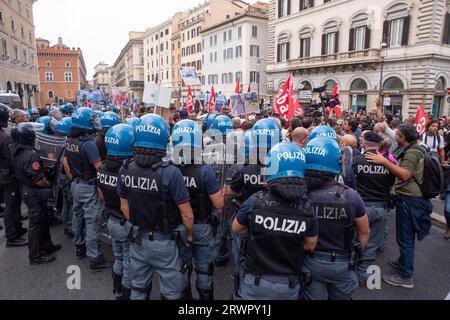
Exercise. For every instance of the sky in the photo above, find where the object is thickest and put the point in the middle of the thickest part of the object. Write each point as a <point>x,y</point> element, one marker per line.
<point>100,27</point>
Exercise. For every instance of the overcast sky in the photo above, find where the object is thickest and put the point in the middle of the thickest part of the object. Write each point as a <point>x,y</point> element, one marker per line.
<point>100,27</point>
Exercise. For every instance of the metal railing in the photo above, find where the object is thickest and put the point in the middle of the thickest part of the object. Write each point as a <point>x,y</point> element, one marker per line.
<point>369,55</point>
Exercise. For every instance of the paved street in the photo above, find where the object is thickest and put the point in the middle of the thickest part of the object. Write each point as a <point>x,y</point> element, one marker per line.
<point>20,281</point>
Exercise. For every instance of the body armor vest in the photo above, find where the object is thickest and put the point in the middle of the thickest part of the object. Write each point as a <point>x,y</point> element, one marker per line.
<point>150,207</point>
<point>200,201</point>
<point>79,167</point>
<point>253,180</point>
<point>107,182</point>
<point>276,235</point>
<point>336,224</point>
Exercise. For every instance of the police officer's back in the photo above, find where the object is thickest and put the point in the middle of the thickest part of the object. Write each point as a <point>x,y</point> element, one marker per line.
<point>9,187</point>
<point>281,225</point>
<point>340,211</point>
<point>205,194</point>
<point>36,190</point>
<point>119,144</point>
<point>154,198</point>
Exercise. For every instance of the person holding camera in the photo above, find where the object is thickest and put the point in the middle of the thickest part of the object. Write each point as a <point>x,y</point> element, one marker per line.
<point>374,184</point>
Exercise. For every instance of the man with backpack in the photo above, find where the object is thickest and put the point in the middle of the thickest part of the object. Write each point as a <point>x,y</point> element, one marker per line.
<point>413,194</point>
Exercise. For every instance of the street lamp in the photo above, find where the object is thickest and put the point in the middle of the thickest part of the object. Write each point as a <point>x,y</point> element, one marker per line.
<point>259,79</point>
<point>383,46</point>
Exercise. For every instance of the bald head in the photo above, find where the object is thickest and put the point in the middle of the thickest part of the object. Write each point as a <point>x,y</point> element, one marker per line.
<point>299,136</point>
<point>349,141</point>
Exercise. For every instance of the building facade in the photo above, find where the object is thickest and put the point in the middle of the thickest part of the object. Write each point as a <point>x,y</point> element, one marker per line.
<point>198,18</point>
<point>236,48</point>
<point>397,49</point>
<point>127,74</point>
<point>102,78</point>
<point>62,72</point>
<point>18,71</point>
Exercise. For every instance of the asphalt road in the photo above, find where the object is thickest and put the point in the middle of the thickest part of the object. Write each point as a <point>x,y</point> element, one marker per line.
<point>20,281</point>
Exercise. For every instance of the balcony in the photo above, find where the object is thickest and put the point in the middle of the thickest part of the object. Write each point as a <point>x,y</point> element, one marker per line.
<point>137,85</point>
<point>369,56</point>
<point>191,23</point>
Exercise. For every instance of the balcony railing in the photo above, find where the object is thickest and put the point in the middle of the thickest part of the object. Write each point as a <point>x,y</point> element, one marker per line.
<point>364,56</point>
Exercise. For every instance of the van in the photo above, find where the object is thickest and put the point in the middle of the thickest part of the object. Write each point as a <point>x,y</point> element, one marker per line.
<point>11,100</point>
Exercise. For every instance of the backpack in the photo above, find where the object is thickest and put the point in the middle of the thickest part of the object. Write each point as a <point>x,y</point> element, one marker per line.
<point>433,182</point>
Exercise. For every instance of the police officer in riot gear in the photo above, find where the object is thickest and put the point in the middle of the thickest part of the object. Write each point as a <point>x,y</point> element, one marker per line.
<point>82,160</point>
<point>374,185</point>
<point>220,126</point>
<point>9,187</point>
<point>281,226</point>
<point>340,210</point>
<point>29,171</point>
<point>155,200</point>
<point>205,194</point>
<point>248,178</point>
<point>119,142</point>
<point>324,132</point>
<point>108,120</point>
<point>34,114</point>
<point>63,128</point>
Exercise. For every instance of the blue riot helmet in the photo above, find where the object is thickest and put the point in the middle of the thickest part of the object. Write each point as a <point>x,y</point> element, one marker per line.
<point>99,114</point>
<point>27,115</point>
<point>23,134</point>
<point>209,121</point>
<point>33,112</point>
<point>152,132</point>
<point>119,141</point>
<point>222,124</point>
<point>266,134</point>
<point>45,121</point>
<point>109,120</point>
<point>324,155</point>
<point>67,108</point>
<point>285,160</point>
<point>187,133</point>
<point>64,126</point>
<point>133,122</point>
<point>86,118</point>
<point>323,131</point>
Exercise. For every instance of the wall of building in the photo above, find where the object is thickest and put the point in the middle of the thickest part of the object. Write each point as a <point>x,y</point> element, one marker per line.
<point>419,64</point>
<point>60,61</point>
<point>18,72</point>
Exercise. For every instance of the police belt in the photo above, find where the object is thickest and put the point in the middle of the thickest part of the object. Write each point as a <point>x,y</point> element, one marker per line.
<point>332,257</point>
<point>286,280</point>
<point>89,182</point>
<point>382,204</point>
<point>157,236</point>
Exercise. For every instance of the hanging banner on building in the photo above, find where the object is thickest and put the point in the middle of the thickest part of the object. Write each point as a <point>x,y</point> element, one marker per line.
<point>157,95</point>
<point>190,76</point>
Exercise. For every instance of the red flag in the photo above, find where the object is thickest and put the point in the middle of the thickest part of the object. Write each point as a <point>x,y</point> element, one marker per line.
<point>298,108</point>
<point>283,103</point>
<point>190,101</point>
<point>238,86</point>
<point>336,92</point>
<point>212,101</point>
<point>421,120</point>
<point>249,88</point>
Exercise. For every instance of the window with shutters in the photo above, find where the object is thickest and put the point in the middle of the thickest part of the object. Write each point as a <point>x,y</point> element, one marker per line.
<point>255,31</point>
<point>254,51</point>
<point>224,78</point>
<point>225,37</point>
<point>254,77</point>
<point>211,41</point>
<point>446,33</point>
<point>284,8</point>
<point>283,48</point>
<point>397,24</point>
<point>306,4</point>
<point>305,48</point>
<point>51,95</point>
<point>359,38</point>
<point>238,76</point>
<point>396,31</point>
<point>239,52</point>
<point>239,32</point>
<point>330,38</point>
<point>49,76</point>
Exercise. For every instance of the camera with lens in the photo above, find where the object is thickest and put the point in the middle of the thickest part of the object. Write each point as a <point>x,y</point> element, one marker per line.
<point>316,110</point>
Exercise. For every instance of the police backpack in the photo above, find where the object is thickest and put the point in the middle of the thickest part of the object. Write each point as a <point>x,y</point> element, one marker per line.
<point>433,174</point>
